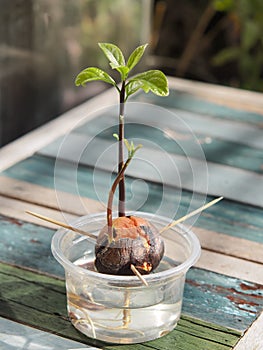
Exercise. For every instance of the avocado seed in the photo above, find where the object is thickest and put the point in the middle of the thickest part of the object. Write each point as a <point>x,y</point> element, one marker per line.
<point>134,241</point>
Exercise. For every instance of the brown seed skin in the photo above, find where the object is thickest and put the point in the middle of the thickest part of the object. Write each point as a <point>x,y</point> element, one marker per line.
<point>135,241</point>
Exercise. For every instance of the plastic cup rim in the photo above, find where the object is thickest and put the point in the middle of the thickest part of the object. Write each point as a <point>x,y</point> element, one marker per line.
<point>174,271</point>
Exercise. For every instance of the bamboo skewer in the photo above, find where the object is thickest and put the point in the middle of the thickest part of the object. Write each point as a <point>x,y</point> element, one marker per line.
<point>62,224</point>
<point>183,218</point>
<point>90,235</point>
<point>137,273</point>
<point>94,237</point>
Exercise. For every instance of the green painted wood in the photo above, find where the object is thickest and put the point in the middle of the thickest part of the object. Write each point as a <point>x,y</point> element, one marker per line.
<point>40,301</point>
<point>237,302</point>
<point>188,102</point>
<point>226,217</point>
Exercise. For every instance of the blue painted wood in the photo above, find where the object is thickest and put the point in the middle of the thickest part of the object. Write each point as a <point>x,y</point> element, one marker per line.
<point>188,102</point>
<point>211,148</point>
<point>226,217</point>
<point>219,299</point>
<point>215,149</point>
<point>27,245</point>
<point>228,299</point>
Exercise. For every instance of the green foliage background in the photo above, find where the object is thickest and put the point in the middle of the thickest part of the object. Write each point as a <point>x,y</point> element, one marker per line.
<point>248,51</point>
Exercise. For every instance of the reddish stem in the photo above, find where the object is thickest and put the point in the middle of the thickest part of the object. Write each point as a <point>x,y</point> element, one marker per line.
<point>111,195</point>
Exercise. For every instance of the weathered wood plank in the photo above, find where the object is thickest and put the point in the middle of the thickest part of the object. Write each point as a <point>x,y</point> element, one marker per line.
<point>30,247</point>
<point>31,238</point>
<point>228,300</point>
<point>175,124</point>
<point>35,194</point>
<point>16,209</point>
<point>228,245</point>
<point>227,217</point>
<point>189,102</point>
<point>179,139</point>
<point>177,142</point>
<point>231,266</point>
<point>253,339</point>
<point>30,143</point>
<point>17,336</point>
<point>37,303</point>
<point>176,171</point>
<point>43,196</point>
<point>222,95</point>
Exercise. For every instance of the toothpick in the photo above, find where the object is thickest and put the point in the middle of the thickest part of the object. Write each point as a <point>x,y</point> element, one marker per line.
<point>137,273</point>
<point>183,218</point>
<point>62,224</point>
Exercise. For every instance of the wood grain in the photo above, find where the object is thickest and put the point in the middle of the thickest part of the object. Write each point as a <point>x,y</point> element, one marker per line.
<point>230,144</point>
<point>40,301</point>
<point>230,269</point>
<point>221,101</point>
<point>33,141</point>
<point>43,196</point>
<point>221,95</point>
<point>238,301</point>
<point>16,209</point>
<point>176,171</point>
<point>231,266</point>
<point>253,339</point>
<point>228,217</point>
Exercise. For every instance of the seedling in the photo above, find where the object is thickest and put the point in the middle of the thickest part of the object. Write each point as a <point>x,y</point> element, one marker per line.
<point>126,241</point>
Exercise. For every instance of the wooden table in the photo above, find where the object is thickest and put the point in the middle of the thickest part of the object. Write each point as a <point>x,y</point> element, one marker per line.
<point>50,171</point>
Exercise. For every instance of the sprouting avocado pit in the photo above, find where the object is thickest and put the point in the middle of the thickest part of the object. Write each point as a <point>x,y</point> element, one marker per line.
<point>134,241</point>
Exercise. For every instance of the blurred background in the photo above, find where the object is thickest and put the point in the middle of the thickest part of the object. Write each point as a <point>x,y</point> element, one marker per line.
<point>45,43</point>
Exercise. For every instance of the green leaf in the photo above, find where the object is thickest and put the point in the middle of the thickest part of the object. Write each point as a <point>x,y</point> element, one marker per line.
<point>152,80</point>
<point>116,136</point>
<point>123,70</point>
<point>132,87</point>
<point>135,56</point>
<point>114,54</point>
<point>91,74</point>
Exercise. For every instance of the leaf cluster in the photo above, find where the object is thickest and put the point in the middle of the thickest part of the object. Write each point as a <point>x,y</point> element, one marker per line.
<point>151,80</point>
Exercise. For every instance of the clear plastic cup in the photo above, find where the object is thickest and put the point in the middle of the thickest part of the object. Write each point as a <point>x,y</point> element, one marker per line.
<point>121,309</point>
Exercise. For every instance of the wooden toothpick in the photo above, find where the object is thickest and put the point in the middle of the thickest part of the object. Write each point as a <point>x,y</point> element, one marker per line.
<point>62,224</point>
<point>183,218</point>
<point>90,235</point>
<point>137,273</point>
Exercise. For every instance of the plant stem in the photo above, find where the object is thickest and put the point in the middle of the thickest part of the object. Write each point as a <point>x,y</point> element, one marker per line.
<point>111,195</point>
<point>121,204</point>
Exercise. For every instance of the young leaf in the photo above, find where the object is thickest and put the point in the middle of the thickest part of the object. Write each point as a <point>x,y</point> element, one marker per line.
<point>123,70</point>
<point>91,74</point>
<point>114,55</point>
<point>135,56</point>
<point>131,88</point>
<point>152,80</point>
